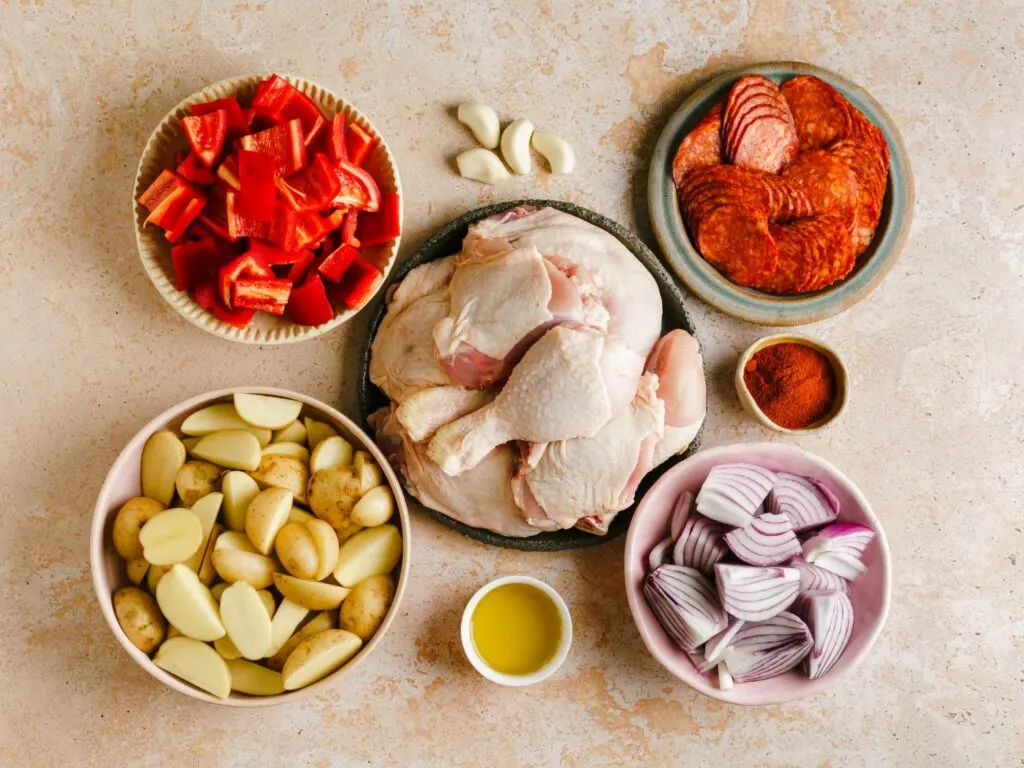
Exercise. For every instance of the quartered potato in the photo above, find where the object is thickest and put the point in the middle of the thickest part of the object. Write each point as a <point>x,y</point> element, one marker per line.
<point>367,605</point>
<point>307,550</point>
<point>327,547</point>
<point>367,470</point>
<point>299,515</point>
<point>162,457</point>
<point>245,620</point>
<point>293,433</point>
<point>221,417</point>
<point>318,656</point>
<point>266,411</point>
<point>196,479</point>
<point>374,508</point>
<point>314,595</point>
<point>187,603</point>
<point>316,431</point>
<point>234,562</point>
<point>320,622</point>
<point>283,472</point>
<point>254,679</point>
<point>206,509</point>
<point>172,536</point>
<point>267,514</point>
<point>233,449</point>
<point>331,452</point>
<point>225,648</point>
<point>196,663</point>
<point>333,494</point>
<point>369,553</point>
<point>295,450</point>
<point>136,570</point>
<point>239,490</point>
<point>289,615</point>
<point>128,521</point>
<point>140,618</point>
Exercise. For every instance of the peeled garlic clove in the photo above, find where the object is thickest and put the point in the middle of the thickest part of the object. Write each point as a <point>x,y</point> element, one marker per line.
<point>555,150</point>
<point>482,165</point>
<point>482,121</point>
<point>515,145</point>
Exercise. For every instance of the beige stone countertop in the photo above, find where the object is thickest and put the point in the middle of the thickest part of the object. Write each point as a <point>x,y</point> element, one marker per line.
<point>934,434</point>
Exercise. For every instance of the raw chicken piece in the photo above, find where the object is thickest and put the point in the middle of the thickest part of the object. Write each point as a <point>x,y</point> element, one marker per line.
<point>402,358</point>
<point>422,414</point>
<point>594,477</point>
<point>481,497</point>
<point>569,384</point>
<point>610,279</point>
<point>423,280</point>
<point>501,302</point>
<point>677,361</point>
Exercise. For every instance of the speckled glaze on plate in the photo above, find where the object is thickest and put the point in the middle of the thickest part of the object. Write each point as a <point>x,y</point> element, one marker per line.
<point>448,240</point>
<point>155,251</point>
<point>745,303</point>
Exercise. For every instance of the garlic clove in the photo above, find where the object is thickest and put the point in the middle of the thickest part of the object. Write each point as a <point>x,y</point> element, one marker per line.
<point>515,145</point>
<point>482,121</point>
<point>555,150</point>
<point>482,165</point>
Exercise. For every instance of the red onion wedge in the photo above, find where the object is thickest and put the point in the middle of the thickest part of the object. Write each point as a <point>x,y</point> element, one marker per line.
<point>767,648</point>
<point>660,554</point>
<point>768,540</point>
<point>680,512</point>
<point>755,594</point>
<point>841,564</point>
<point>724,678</point>
<point>829,617</point>
<point>816,579</point>
<point>715,647</point>
<point>838,548</point>
<point>807,503</point>
<point>732,493</point>
<point>701,544</point>
<point>685,604</point>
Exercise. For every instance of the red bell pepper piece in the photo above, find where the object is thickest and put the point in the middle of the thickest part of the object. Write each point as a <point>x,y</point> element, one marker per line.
<point>348,230</point>
<point>298,270</point>
<point>309,230</point>
<point>337,261</point>
<point>312,189</point>
<point>336,140</point>
<point>185,218</point>
<point>359,283</point>
<point>271,256</point>
<point>205,134</point>
<point>259,119</point>
<point>256,197</point>
<point>196,262</point>
<point>278,95</point>
<point>205,294</point>
<point>172,202</point>
<point>384,225</point>
<point>215,216</point>
<point>194,171</point>
<point>282,231</point>
<point>236,125</point>
<point>358,189</point>
<point>240,318</point>
<point>228,173</point>
<point>282,142</point>
<point>359,143</point>
<point>240,225</point>
<point>335,219</point>
<point>245,265</point>
<point>309,304</point>
<point>163,185</point>
<point>265,294</point>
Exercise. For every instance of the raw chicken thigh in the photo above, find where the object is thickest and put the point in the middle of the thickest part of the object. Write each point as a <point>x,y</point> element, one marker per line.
<point>530,389</point>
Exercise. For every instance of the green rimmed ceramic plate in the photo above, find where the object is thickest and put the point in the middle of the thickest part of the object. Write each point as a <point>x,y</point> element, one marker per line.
<point>745,303</point>
<point>448,240</point>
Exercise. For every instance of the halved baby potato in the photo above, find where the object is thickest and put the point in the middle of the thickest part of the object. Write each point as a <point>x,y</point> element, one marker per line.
<point>319,656</point>
<point>206,510</point>
<point>314,595</point>
<point>370,552</point>
<point>282,472</point>
<point>266,411</point>
<point>196,663</point>
<point>188,604</point>
<point>136,570</point>
<point>331,452</point>
<point>162,457</point>
<point>140,618</point>
<point>320,622</point>
<point>254,679</point>
<point>333,493</point>
<point>196,479</point>
<point>232,449</point>
<point>374,508</point>
<point>172,536</point>
<point>245,620</point>
<point>235,565</point>
<point>299,515</point>
<point>307,550</point>
<point>239,490</point>
<point>316,431</point>
<point>370,475</point>
<point>289,615</point>
<point>293,433</point>
<point>266,516</point>
<point>128,522</point>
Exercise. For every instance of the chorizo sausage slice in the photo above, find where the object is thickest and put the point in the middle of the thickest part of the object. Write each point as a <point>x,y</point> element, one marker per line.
<point>701,147</point>
<point>819,111</point>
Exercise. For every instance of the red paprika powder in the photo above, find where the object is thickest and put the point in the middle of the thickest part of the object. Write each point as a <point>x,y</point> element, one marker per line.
<point>793,384</point>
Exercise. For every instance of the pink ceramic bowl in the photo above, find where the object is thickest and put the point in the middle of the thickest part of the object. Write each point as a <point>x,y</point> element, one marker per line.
<point>870,593</point>
<point>123,483</point>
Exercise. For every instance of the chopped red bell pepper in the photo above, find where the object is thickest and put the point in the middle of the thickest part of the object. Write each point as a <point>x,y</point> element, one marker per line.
<point>196,262</point>
<point>336,140</point>
<point>384,225</point>
<point>240,318</point>
<point>337,261</point>
<point>185,218</point>
<point>298,270</point>
<point>262,293</point>
<point>278,95</point>
<point>309,230</point>
<point>348,230</point>
<point>172,203</point>
<point>259,119</point>
<point>271,256</point>
<point>256,197</point>
<point>282,231</point>
<point>309,304</point>
<point>205,134</point>
<point>359,283</point>
<point>312,189</point>
<point>205,294</point>
<point>215,216</point>
<point>240,225</point>
<point>282,142</point>
<point>245,265</point>
<point>358,189</point>
<point>236,124</point>
<point>228,173</point>
<point>194,171</point>
<point>335,219</point>
<point>359,143</point>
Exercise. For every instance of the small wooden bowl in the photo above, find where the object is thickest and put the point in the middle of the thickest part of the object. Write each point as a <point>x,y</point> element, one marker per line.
<point>750,405</point>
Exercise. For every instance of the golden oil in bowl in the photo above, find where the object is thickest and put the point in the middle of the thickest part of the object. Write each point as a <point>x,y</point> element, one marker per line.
<point>517,629</point>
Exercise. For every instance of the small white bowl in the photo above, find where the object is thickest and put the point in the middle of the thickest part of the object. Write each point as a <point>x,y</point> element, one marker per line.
<point>501,678</point>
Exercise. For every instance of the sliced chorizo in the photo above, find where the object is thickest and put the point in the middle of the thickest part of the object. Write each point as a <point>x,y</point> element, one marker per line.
<point>701,147</point>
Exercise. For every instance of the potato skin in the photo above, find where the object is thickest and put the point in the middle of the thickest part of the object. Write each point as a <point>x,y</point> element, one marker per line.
<point>196,479</point>
<point>129,520</point>
<point>140,618</point>
<point>333,493</point>
<point>278,470</point>
<point>367,604</point>
<point>297,551</point>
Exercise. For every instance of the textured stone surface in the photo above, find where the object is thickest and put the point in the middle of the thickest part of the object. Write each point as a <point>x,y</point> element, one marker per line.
<point>933,434</point>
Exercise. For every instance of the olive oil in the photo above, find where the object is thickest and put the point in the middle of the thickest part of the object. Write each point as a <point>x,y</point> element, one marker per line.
<point>516,629</point>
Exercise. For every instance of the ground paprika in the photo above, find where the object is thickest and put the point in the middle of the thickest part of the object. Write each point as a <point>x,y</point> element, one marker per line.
<point>793,384</point>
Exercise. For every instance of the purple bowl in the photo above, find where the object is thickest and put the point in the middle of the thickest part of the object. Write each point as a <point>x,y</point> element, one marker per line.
<point>869,594</point>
